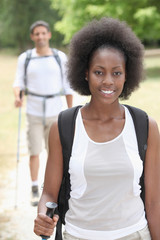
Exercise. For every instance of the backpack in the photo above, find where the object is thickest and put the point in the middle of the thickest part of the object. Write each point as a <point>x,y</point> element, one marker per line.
<point>27,92</point>
<point>27,60</point>
<point>66,125</point>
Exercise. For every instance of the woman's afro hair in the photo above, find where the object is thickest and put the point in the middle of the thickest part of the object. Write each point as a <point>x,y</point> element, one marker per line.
<point>105,32</point>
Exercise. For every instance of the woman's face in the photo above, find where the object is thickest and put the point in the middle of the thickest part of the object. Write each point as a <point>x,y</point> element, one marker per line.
<point>106,74</point>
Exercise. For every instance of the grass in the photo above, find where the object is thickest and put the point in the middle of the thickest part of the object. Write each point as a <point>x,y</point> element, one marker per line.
<point>146,97</point>
<point>8,115</point>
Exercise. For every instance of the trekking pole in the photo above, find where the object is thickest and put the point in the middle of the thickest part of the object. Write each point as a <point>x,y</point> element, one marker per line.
<point>51,206</point>
<point>18,148</point>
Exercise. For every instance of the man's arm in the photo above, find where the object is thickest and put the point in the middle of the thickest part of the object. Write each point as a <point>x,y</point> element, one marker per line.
<point>19,81</point>
<point>66,86</point>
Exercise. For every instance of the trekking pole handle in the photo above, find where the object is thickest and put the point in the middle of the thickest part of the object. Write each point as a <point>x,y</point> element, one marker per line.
<point>51,206</point>
<point>20,94</point>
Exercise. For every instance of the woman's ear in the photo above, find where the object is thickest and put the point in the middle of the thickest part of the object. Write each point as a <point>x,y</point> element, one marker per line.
<point>86,77</point>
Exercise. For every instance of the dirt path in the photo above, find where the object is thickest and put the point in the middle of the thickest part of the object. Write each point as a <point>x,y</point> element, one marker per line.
<point>16,212</point>
<point>152,52</point>
<point>17,223</point>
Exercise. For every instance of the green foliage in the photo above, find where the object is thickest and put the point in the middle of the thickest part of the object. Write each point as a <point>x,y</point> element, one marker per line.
<point>66,17</point>
<point>16,16</point>
<point>148,23</point>
<point>140,15</point>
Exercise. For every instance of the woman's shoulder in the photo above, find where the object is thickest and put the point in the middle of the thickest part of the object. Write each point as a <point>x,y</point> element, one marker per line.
<point>54,127</point>
<point>153,126</point>
<point>54,132</point>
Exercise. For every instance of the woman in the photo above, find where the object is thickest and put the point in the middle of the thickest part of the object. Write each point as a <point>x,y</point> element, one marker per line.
<point>105,62</point>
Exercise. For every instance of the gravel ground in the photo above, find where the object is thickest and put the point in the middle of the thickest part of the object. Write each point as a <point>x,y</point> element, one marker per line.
<point>16,213</point>
<point>152,52</point>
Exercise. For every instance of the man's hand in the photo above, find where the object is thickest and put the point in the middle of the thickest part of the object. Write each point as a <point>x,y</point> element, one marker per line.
<point>18,102</point>
<point>18,97</point>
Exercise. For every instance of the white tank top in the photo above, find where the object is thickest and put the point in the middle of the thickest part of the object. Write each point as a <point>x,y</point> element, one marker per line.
<point>105,201</point>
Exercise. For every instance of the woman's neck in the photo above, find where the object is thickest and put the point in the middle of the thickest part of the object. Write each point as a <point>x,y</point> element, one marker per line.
<point>93,111</point>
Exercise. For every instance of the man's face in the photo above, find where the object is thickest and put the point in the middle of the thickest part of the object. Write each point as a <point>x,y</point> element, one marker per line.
<point>40,36</point>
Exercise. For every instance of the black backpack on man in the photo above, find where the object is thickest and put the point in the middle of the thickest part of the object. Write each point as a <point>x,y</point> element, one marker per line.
<point>44,97</point>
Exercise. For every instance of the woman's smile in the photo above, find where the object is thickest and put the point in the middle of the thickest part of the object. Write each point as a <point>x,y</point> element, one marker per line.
<point>107,93</point>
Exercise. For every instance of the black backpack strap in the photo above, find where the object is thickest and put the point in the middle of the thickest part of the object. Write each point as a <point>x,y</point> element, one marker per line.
<point>140,119</point>
<point>56,55</point>
<point>66,126</point>
<point>28,57</point>
<point>58,235</point>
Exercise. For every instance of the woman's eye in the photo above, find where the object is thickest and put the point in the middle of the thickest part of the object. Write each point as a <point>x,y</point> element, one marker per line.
<point>117,73</point>
<point>98,73</point>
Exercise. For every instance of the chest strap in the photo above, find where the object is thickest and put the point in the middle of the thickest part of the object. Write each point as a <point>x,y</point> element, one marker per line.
<point>44,97</point>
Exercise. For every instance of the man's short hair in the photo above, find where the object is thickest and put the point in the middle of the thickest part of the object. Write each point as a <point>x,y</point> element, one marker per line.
<point>39,23</point>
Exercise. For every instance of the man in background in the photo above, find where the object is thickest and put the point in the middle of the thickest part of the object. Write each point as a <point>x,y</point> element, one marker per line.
<point>41,75</point>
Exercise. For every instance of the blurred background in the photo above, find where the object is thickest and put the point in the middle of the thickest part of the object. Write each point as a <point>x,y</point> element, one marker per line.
<point>65,18</point>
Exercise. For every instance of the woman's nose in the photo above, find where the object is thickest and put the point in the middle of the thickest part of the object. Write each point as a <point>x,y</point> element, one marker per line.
<point>108,79</point>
